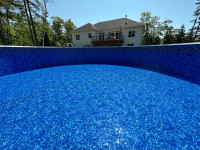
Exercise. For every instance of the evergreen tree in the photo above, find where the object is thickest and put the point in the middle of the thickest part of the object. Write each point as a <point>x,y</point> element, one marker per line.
<point>180,37</point>
<point>169,37</point>
<point>189,37</point>
<point>196,26</point>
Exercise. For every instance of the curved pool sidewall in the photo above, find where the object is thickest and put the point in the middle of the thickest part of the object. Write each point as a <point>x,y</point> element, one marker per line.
<point>179,60</point>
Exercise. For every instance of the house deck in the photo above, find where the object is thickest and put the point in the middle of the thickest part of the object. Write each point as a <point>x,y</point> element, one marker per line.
<point>107,40</point>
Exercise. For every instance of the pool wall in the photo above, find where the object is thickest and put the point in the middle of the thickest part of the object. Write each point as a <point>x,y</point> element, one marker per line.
<point>182,61</point>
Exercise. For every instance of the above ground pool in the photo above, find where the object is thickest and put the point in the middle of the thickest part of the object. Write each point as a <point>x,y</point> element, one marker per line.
<point>98,105</point>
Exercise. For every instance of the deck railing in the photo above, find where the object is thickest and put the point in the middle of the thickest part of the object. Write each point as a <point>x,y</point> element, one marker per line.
<point>107,38</point>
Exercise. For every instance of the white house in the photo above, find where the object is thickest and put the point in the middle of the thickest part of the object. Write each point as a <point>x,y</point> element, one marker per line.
<point>119,32</point>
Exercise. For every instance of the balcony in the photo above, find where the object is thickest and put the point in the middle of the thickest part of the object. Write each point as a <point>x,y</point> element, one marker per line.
<point>104,40</point>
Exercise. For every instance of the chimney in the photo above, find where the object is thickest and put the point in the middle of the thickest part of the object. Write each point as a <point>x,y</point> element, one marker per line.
<point>126,16</point>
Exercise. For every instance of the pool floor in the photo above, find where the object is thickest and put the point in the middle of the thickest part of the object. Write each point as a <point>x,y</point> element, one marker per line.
<point>98,107</point>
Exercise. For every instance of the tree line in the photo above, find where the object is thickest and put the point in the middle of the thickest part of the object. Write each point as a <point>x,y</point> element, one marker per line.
<point>24,23</point>
<point>157,32</point>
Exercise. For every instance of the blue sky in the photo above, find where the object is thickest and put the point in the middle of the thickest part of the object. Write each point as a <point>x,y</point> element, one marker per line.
<point>91,11</point>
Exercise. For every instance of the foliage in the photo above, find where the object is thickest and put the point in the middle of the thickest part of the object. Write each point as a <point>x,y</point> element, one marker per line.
<point>24,23</point>
<point>189,36</point>
<point>152,29</point>
<point>180,37</point>
<point>69,27</point>
<point>8,13</point>
<point>168,32</point>
<point>157,32</point>
<point>196,27</point>
<point>58,30</point>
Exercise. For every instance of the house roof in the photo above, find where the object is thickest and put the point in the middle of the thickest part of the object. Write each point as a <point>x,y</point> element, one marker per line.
<point>111,24</point>
<point>118,23</point>
<point>86,27</point>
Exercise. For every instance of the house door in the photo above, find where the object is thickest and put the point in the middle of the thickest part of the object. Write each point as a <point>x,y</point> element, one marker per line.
<point>101,36</point>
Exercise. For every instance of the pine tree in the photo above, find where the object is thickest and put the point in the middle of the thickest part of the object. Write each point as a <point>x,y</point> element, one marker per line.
<point>189,37</point>
<point>180,37</point>
<point>196,26</point>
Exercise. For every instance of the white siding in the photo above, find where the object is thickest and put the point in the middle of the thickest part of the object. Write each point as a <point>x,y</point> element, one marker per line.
<point>84,40</point>
<point>137,40</point>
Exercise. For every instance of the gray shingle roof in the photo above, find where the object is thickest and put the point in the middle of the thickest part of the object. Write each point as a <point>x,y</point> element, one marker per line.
<point>111,24</point>
<point>86,27</point>
<point>116,24</point>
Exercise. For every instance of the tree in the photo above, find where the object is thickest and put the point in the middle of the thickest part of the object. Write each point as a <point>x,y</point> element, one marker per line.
<point>3,40</point>
<point>180,37</point>
<point>152,34</point>
<point>20,31</point>
<point>69,27</point>
<point>196,26</point>
<point>22,23</point>
<point>157,32</point>
<point>29,23</point>
<point>8,12</point>
<point>2,14</point>
<point>169,36</point>
<point>33,10</point>
<point>57,28</point>
<point>44,19</point>
<point>168,32</point>
<point>189,36</point>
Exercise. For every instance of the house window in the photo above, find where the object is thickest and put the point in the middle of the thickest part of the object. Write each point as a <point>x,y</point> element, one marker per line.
<point>77,37</point>
<point>131,34</point>
<point>109,35</point>
<point>117,34</point>
<point>89,35</point>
